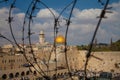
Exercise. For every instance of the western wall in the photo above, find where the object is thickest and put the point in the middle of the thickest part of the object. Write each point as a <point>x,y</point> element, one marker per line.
<point>102,61</point>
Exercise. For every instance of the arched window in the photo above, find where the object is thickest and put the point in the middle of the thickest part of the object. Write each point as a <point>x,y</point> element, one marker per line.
<point>54,77</point>
<point>17,74</point>
<point>11,75</point>
<point>4,76</point>
<point>58,74</point>
<point>61,73</point>
<point>22,73</point>
<point>28,72</point>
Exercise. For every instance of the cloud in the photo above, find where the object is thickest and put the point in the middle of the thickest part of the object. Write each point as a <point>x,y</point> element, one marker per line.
<point>85,21</point>
<point>3,18</point>
<point>46,13</point>
<point>116,5</point>
<point>20,16</point>
<point>86,13</point>
<point>16,25</point>
<point>81,29</point>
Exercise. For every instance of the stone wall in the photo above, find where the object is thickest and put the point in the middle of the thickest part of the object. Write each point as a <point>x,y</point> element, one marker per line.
<point>102,61</point>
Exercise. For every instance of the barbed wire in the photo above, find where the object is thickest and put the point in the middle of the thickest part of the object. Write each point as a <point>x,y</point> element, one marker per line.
<point>29,32</point>
<point>23,37</point>
<point>66,33</point>
<point>28,19</point>
<point>55,27</point>
<point>102,15</point>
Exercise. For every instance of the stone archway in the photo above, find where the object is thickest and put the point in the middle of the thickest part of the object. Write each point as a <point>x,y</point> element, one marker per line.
<point>27,72</point>
<point>4,76</point>
<point>17,74</point>
<point>23,73</point>
<point>11,75</point>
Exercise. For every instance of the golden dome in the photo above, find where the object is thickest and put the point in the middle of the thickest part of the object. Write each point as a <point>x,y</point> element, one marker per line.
<point>60,39</point>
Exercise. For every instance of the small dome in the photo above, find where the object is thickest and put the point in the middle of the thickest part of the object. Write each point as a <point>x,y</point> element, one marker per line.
<point>60,39</point>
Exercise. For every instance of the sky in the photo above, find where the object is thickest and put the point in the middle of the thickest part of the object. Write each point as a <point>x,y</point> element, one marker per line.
<point>81,29</point>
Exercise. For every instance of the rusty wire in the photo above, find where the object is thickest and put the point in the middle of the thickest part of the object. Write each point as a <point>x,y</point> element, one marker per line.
<point>29,15</point>
<point>102,15</point>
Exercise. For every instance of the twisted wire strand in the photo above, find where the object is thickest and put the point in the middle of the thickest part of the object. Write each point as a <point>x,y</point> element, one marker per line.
<point>29,13</point>
<point>24,22</point>
<point>55,34</point>
<point>30,18</point>
<point>55,31</point>
<point>66,33</point>
<point>56,24</point>
<point>55,27</point>
<point>10,19</point>
<point>29,34</point>
<point>11,30</point>
<point>94,35</point>
<point>23,38</point>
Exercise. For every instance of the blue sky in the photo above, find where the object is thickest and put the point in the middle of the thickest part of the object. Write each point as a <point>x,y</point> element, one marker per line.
<point>22,5</point>
<point>81,4</point>
<point>81,29</point>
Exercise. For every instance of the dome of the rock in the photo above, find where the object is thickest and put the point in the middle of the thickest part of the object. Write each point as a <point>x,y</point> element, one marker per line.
<point>60,39</point>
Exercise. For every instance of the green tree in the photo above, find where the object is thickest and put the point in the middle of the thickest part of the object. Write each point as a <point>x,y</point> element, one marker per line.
<point>115,46</point>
